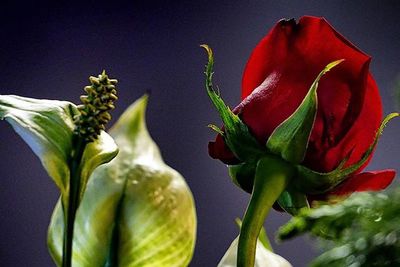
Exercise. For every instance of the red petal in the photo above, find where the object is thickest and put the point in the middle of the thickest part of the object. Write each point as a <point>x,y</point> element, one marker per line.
<point>279,73</point>
<point>219,150</point>
<point>307,46</point>
<point>366,181</point>
<point>355,141</point>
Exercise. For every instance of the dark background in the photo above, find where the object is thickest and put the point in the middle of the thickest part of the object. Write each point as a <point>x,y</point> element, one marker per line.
<point>47,50</point>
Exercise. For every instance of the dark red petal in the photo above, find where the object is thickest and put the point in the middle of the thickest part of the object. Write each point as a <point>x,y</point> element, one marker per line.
<point>306,46</point>
<point>366,181</point>
<point>279,73</point>
<point>354,142</point>
<point>219,150</point>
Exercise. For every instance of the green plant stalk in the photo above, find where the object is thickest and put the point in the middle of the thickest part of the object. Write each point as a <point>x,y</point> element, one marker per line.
<point>93,115</point>
<point>112,259</point>
<point>79,145</point>
<point>271,179</point>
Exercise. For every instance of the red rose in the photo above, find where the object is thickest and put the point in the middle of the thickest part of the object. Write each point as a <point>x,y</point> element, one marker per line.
<point>278,76</point>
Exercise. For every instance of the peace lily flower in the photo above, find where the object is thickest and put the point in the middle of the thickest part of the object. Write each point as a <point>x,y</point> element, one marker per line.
<point>134,211</point>
<point>300,133</point>
<point>69,140</point>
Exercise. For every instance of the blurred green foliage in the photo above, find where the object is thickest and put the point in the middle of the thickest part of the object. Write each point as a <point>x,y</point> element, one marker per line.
<point>363,230</point>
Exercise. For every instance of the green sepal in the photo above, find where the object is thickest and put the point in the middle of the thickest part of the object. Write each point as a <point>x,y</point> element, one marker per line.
<point>290,138</point>
<point>236,134</point>
<point>292,201</point>
<point>136,210</point>
<point>313,182</point>
<point>243,175</point>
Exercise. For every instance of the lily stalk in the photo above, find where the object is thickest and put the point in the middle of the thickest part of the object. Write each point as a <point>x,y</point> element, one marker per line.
<point>91,120</point>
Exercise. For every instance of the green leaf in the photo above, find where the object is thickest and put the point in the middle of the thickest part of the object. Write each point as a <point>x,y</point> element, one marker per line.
<point>47,127</point>
<point>136,210</point>
<point>292,201</point>
<point>313,182</point>
<point>359,231</point>
<point>290,138</point>
<point>237,135</point>
<point>264,257</point>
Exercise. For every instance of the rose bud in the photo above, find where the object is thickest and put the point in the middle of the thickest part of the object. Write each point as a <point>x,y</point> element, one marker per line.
<point>300,133</point>
<point>277,78</point>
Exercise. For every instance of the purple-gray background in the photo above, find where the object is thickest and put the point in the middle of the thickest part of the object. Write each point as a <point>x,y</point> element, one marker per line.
<point>47,50</point>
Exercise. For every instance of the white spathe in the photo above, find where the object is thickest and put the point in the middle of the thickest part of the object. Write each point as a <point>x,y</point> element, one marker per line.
<point>264,257</point>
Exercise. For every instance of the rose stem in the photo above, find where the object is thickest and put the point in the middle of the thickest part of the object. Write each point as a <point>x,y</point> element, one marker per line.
<point>271,178</point>
<point>73,200</point>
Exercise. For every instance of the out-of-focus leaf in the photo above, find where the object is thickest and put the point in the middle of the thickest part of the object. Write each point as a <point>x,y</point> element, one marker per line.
<point>292,201</point>
<point>136,210</point>
<point>362,230</point>
<point>47,127</point>
<point>264,257</point>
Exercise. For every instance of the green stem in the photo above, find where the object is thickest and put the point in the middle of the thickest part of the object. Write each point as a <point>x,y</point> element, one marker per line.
<point>271,178</point>
<point>73,199</point>
<point>112,259</point>
<point>263,237</point>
